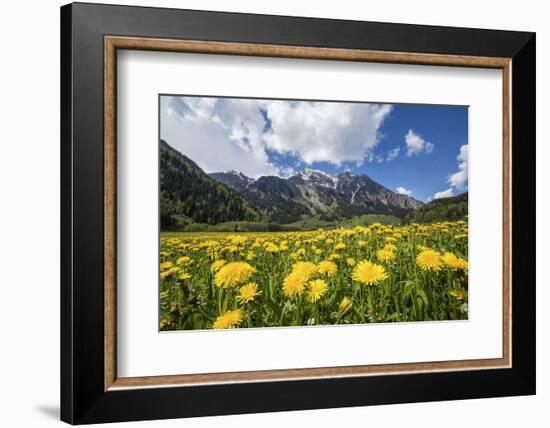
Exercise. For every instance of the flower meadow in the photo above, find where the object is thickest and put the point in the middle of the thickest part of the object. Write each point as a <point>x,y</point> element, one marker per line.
<point>378,273</point>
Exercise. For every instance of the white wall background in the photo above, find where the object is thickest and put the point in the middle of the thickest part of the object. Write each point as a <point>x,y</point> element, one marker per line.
<point>29,215</point>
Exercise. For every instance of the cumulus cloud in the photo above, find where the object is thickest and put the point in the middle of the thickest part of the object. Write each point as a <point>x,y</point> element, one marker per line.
<point>444,194</point>
<point>459,179</point>
<point>404,191</point>
<point>325,132</point>
<point>416,144</point>
<point>393,153</point>
<point>217,134</point>
<point>222,133</point>
<point>287,171</point>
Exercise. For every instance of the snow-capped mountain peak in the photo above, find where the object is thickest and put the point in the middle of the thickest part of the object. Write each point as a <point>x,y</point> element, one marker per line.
<point>234,178</point>
<point>315,192</point>
<point>236,172</point>
<point>315,176</point>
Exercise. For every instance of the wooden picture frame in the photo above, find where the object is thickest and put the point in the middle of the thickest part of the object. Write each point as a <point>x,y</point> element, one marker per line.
<point>91,390</point>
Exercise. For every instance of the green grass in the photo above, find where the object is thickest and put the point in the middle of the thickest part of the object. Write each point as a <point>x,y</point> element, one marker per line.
<point>310,223</point>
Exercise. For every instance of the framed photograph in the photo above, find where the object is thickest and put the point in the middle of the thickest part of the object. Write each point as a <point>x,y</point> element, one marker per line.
<point>266,213</point>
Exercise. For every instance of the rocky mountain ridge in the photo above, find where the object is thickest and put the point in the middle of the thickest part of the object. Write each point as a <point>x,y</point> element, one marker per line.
<point>315,192</point>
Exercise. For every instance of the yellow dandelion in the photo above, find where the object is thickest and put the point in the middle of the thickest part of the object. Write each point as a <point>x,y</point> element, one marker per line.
<point>385,255</point>
<point>345,305</point>
<point>234,249</point>
<point>429,260</point>
<point>216,266</point>
<point>327,268</point>
<point>166,265</point>
<point>369,273</point>
<point>462,264</point>
<point>390,247</point>
<point>316,289</point>
<point>233,274</point>
<point>307,268</point>
<point>184,260</point>
<point>454,262</point>
<point>168,273</point>
<point>237,239</point>
<point>340,246</point>
<point>184,276</point>
<point>458,293</point>
<point>248,292</point>
<point>294,283</point>
<point>350,261</point>
<point>272,248</point>
<point>229,319</point>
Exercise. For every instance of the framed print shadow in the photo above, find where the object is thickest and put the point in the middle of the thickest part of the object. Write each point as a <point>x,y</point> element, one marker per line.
<point>266,213</point>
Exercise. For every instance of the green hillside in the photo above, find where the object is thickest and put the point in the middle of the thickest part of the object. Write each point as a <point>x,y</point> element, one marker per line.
<point>452,208</point>
<point>188,194</point>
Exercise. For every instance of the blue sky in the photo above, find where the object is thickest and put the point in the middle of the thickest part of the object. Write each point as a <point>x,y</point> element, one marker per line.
<point>425,174</point>
<point>413,149</point>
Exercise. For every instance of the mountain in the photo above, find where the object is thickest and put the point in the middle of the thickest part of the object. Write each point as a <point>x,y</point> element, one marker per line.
<point>235,179</point>
<point>452,208</point>
<point>188,194</point>
<point>278,199</point>
<point>313,192</point>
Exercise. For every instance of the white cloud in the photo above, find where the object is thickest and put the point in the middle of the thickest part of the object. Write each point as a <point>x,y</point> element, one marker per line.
<point>329,132</point>
<point>444,193</point>
<point>222,134</point>
<point>416,144</point>
<point>287,171</point>
<point>460,178</point>
<point>393,153</point>
<point>217,134</point>
<point>403,191</point>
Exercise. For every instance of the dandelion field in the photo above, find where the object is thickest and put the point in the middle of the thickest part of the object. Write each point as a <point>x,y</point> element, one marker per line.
<point>378,273</point>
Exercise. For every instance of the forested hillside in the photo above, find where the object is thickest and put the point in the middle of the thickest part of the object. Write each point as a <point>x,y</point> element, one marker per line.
<point>453,208</point>
<point>187,194</point>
